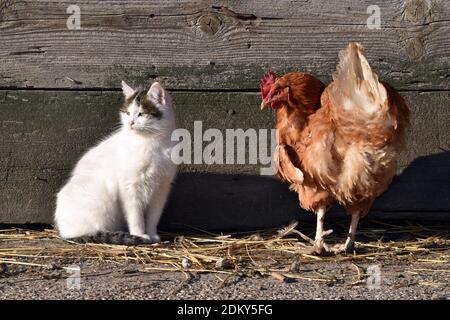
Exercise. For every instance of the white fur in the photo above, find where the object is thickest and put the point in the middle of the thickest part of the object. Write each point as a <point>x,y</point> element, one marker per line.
<point>125,180</point>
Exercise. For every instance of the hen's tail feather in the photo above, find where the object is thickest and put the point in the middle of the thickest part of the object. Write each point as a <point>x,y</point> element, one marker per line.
<point>107,237</point>
<point>356,86</point>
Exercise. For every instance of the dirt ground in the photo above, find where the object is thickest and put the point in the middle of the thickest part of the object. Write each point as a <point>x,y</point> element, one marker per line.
<point>407,276</point>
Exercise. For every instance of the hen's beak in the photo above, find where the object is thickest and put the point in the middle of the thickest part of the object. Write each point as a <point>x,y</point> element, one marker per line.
<point>264,104</point>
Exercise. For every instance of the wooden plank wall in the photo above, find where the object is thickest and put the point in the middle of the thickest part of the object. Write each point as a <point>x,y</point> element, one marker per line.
<point>59,92</point>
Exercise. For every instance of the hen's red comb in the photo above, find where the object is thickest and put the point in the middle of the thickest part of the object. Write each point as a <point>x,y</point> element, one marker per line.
<point>266,82</point>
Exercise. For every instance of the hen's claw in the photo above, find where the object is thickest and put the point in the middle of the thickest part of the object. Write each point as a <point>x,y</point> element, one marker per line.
<point>320,247</point>
<point>347,247</point>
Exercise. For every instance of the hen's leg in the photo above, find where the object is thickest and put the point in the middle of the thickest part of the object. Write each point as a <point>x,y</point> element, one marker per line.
<point>319,243</point>
<point>349,244</point>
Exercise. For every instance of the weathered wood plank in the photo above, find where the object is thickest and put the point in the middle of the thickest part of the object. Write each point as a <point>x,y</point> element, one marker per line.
<point>43,133</point>
<point>201,45</point>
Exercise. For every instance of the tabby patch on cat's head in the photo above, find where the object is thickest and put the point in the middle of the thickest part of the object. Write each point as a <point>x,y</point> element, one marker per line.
<point>142,99</point>
<point>142,108</point>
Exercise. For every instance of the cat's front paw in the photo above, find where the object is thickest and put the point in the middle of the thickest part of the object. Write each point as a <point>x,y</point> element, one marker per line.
<point>155,239</point>
<point>151,238</point>
<point>145,237</point>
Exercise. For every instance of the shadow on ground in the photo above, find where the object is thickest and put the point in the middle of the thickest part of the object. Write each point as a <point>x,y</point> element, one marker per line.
<point>243,202</point>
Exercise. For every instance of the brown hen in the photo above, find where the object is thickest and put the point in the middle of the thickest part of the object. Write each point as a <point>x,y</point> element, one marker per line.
<point>338,143</point>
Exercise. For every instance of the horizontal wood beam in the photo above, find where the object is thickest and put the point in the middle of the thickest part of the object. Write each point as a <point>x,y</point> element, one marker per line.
<point>220,44</point>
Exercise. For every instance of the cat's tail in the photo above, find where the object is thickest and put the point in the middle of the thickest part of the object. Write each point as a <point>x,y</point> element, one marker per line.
<point>116,237</point>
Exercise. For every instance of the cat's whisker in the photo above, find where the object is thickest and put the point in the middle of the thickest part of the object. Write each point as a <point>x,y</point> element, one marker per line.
<point>116,126</point>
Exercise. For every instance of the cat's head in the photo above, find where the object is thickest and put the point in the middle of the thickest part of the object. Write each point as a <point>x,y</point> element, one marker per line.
<point>147,111</point>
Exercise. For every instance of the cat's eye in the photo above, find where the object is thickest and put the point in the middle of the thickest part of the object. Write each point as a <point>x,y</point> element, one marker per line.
<point>128,113</point>
<point>140,114</point>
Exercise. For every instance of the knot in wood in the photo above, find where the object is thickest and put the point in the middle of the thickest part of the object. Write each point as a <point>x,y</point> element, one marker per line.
<point>208,24</point>
<point>414,48</point>
<point>4,6</point>
<point>417,10</point>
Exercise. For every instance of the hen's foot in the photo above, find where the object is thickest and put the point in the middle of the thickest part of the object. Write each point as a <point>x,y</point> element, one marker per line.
<point>320,247</point>
<point>347,247</point>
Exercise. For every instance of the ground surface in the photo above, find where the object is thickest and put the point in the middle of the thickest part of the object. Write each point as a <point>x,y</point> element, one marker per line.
<point>414,269</point>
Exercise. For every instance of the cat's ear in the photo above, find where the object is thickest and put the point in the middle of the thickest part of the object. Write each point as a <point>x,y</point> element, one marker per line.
<point>157,92</point>
<point>127,90</point>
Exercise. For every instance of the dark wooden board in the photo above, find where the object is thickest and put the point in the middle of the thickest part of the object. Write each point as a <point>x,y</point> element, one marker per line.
<point>43,134</point>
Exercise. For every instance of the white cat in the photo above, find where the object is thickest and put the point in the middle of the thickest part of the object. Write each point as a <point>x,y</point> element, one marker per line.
<point>126,179</point>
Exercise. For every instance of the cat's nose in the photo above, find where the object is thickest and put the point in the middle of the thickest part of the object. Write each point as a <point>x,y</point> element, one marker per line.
<point>131,123</point>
